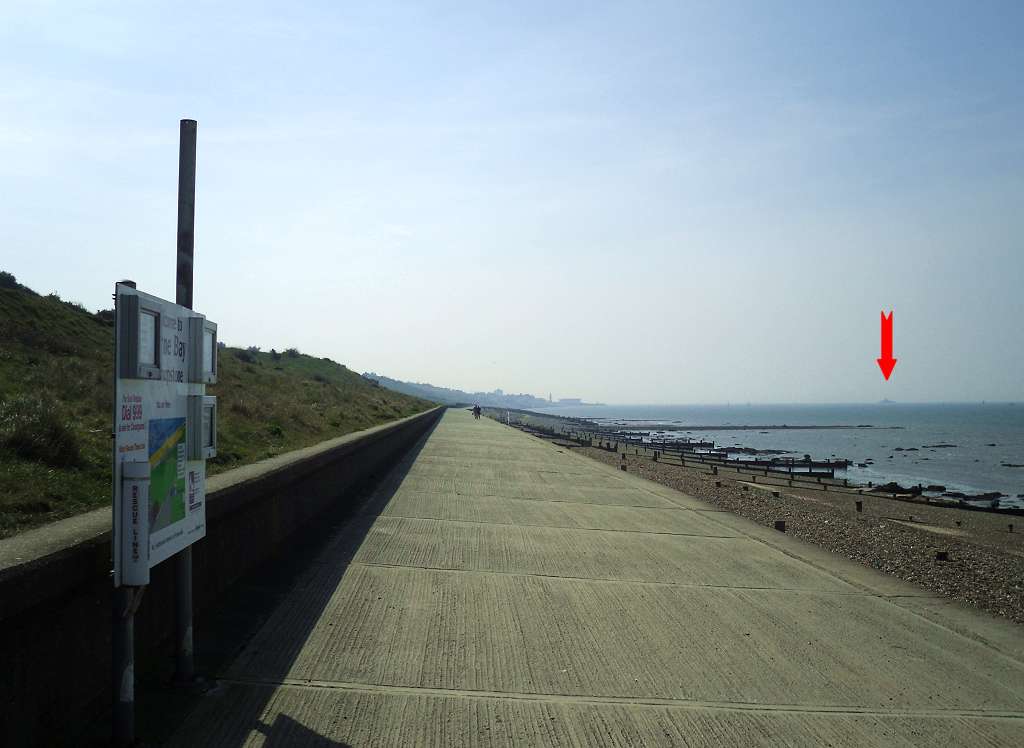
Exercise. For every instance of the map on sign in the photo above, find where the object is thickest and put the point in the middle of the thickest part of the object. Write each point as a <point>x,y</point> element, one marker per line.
<point>166,472</point>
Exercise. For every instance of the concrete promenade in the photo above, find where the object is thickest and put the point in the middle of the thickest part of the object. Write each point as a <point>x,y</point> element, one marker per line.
<point>499,590</point>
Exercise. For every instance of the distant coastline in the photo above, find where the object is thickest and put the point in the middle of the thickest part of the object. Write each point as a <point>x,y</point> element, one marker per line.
<point>497,398</point>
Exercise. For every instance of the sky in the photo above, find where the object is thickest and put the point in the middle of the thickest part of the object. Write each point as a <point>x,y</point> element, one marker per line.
<point>625,202</point>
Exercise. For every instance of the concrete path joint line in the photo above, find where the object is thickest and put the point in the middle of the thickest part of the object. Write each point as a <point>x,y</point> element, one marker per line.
<point>607,580</point>
<point>559,527</point>
<point>694,704</point>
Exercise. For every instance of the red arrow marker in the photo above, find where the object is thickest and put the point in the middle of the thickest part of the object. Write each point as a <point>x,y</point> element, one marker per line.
<point>886,363</point>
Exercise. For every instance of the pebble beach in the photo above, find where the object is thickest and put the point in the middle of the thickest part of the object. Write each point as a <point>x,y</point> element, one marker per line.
<point>984,565</point>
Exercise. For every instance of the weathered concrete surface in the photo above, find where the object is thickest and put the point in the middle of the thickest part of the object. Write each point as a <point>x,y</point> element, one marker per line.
<point>501,591</point>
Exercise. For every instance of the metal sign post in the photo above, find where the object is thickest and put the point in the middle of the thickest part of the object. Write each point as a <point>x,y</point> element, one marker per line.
<point>123,619</point>
<point>165,428</point>
<point>184,649</point>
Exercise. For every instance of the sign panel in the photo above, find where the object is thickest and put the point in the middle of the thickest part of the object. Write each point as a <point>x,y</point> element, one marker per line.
<point>203,354</point>
<point>151,436</point>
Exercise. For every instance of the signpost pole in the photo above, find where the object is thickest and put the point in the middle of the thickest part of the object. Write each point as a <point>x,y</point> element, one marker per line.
<point>122,638</point>
<point>185,667</point>
<point>124,668</point>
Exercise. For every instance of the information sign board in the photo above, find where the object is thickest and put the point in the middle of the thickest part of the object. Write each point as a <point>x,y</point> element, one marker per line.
<point>159,484</point>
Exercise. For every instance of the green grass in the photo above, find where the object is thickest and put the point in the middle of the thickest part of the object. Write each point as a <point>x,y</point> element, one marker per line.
<point>56,393</point>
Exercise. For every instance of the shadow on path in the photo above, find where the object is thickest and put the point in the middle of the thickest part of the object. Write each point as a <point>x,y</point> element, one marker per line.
<point>286,731</point>
<point>319,555</point>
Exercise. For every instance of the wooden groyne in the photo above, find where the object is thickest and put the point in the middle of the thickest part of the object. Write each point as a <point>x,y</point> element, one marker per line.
<point>700,452</point>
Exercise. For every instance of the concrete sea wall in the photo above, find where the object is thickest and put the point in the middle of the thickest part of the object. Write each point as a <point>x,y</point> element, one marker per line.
<point>55,584</point>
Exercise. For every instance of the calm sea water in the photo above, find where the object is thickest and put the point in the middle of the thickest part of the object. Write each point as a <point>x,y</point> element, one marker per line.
<point>974,465</point>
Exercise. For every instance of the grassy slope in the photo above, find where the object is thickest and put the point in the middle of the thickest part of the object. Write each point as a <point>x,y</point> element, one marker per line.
<point>269,404</point>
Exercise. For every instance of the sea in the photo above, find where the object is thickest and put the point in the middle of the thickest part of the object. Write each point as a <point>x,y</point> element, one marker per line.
<point>900,440</point>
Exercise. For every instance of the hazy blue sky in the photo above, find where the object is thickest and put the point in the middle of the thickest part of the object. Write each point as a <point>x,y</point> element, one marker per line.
<point>632,202</point>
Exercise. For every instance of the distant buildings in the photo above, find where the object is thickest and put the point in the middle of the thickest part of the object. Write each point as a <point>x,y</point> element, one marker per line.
<point>497,398</point>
